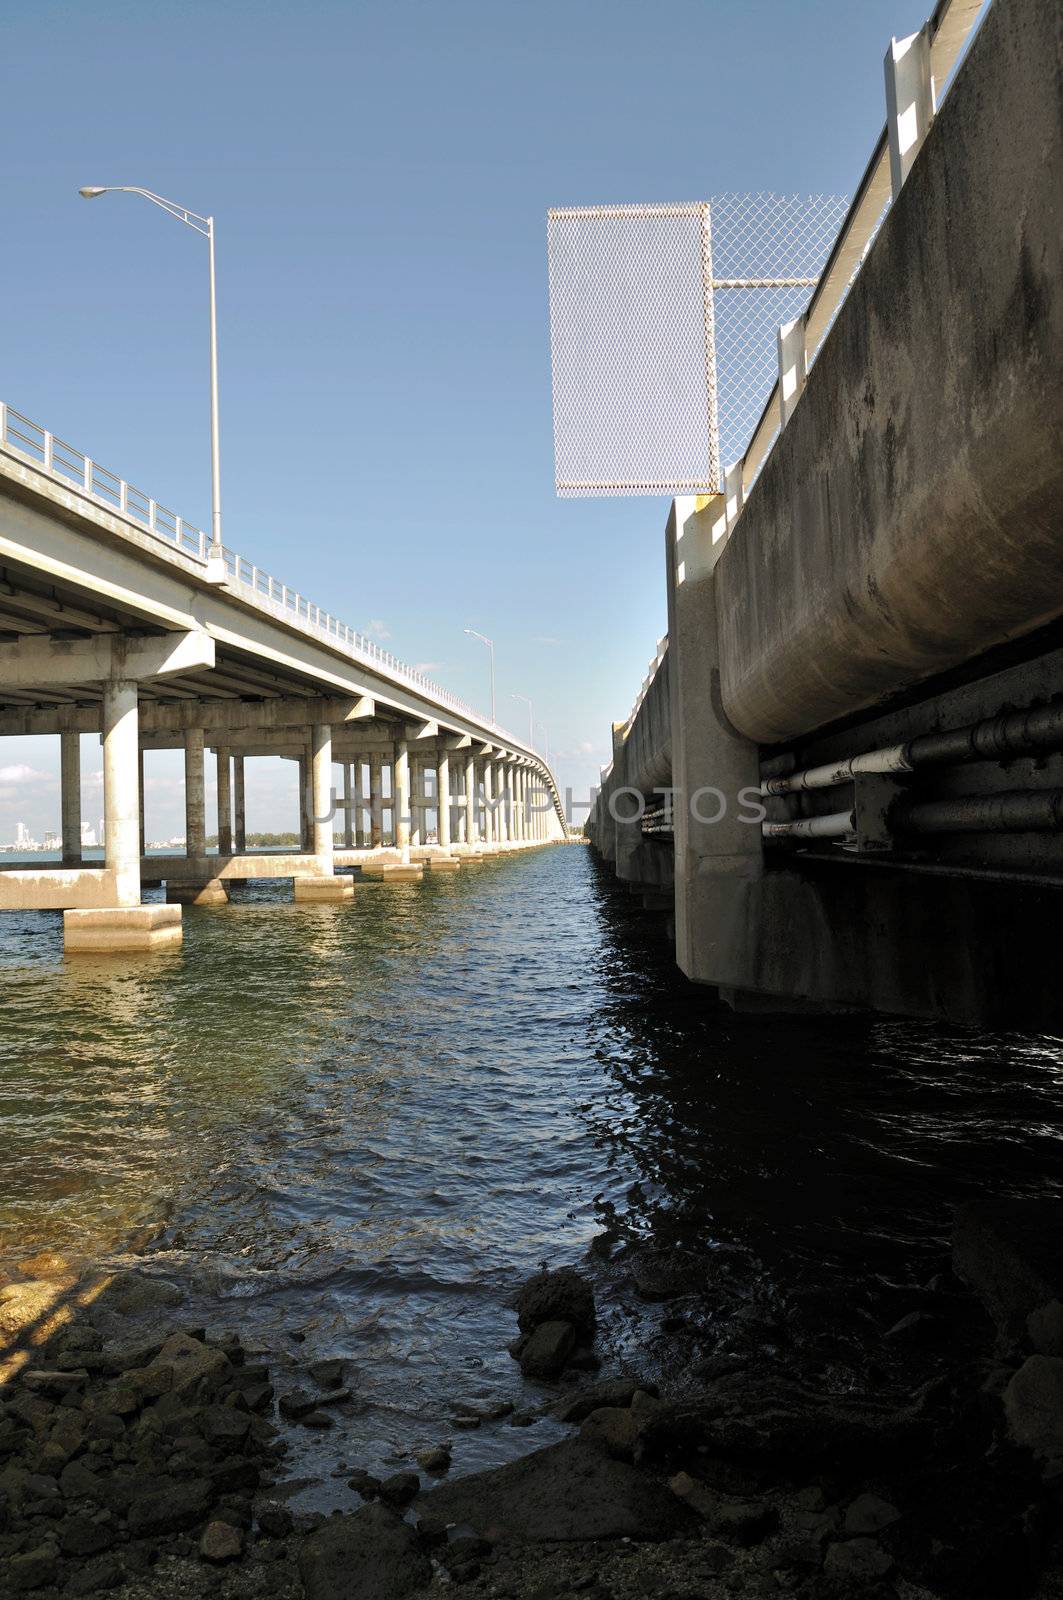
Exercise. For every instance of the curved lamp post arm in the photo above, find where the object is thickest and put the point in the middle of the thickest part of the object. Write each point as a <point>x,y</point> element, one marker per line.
<point>204,226</point>
<point>490,643</point>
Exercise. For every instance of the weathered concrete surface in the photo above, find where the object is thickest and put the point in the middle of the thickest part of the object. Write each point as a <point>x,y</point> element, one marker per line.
<point>328,891</point>
<point>909,516</point>
<point>121,929</point>
<point>56,888</point>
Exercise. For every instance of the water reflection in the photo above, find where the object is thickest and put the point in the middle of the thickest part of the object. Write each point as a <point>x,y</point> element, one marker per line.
<point>367,1122</point>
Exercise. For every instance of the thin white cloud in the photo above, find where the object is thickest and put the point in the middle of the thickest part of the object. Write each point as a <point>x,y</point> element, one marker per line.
<point>22,774</point>
<point>427,666</point>
<point>544,638</point>
<point>376,629</point>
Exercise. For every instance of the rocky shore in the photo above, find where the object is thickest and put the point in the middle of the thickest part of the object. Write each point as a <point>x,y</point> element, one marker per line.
<point>144,1457</point>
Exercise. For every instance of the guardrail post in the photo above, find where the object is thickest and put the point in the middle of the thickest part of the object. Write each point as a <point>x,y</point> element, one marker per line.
<point>3,423</point>
<point>86,476</point>
<point>909,101</point>
<point>793,366</point>
<point>49,452</point>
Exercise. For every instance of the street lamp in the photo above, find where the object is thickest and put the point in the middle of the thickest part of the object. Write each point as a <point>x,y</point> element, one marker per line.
<point>205,226</point>
<point>490,643</point>
<point>531,722</point>
<point>546,740</point>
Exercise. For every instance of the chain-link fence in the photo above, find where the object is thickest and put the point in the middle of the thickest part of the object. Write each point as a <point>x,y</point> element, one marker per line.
<point>663,325</point>
<point>768,251</point>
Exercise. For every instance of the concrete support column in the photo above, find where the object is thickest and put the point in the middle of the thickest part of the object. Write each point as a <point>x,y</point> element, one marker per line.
<point>522,802</point>
<point>304,824</point>
<point>321,784</point>
<point>225,804</point>
<point>350,818</point>
<point>418,809</point>
<point>376,800</point>
<point>70,769</point>
<point>472,830</point>
<point>121,790</point>
<point>502,829</point>
<point>400,786</point>
<point>443,797</point>
<point>195,818</point>
<point>718,861</point>
<point>361,830</point>
<point>326,885</point>
<point>240,803</point>
<point>490,828</point>
<point>141,834</point>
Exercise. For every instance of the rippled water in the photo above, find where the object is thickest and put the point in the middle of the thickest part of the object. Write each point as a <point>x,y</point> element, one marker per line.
<point>367,1123</point>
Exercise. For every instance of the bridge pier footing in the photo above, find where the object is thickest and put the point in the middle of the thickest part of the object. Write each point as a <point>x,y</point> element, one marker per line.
<point>122,929</point>
<point>328,891</point>
<point>215,892</point>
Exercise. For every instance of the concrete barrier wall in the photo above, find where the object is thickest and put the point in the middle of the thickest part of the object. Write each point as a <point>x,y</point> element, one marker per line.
<point>909,516</point>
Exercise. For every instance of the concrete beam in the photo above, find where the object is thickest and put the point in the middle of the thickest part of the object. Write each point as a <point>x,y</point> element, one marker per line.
<point>210,715</point>
<point>36,662</point>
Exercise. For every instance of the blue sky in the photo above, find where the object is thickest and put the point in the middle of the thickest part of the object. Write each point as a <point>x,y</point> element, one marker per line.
<point>380,174</point>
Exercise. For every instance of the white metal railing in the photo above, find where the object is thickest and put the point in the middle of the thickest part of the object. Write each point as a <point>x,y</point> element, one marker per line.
<point>647,682</point>
<point>932,54</point>
<point>80,472</point>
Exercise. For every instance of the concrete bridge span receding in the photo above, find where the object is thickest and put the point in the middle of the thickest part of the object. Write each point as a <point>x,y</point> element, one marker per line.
<point>876,642</point>
<point>109,626</point>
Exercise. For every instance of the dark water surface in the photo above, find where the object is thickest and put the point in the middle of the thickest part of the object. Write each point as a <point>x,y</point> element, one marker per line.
<point>367,1124</point>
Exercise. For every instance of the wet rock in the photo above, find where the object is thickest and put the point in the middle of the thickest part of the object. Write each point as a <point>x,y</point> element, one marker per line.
<point>221,1542</point>
<point>95,1575</point>
<point>296,1403</point>
<point>869,1513</point>
<point>755,1420</point>
<point>47,1264</point>
<point>328,1374</point>
<point>741,1522</point>
<point>436,1459</point>
<point>615,1429</point>
<point>169,1509</point>
<point>85,1535</point>
<point>615,1392</point>
<point>547,1349</point>
<point>276,1521</point>
<point>1008,1251</point>
<point>859,1559</point>
<point>1045,1328</point>
<point>364,1484</point>
<point>32,1569</point>
<point>192,1365</point>
<point>28,1307</point>
<point>55,1385</point>
<point>132,1293</point>
<point>400,1488</point>
<point>1033,1405</point>
<point>224,1425</point>
<point>565,1492</point>
<point>663,1274</point>
<point>317,1419</point>
<point>374,1545</point>
<point>561,1296</point>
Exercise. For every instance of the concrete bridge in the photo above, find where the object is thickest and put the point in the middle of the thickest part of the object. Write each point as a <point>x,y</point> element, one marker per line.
<point>112,621</point>
<point>843,773</point>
